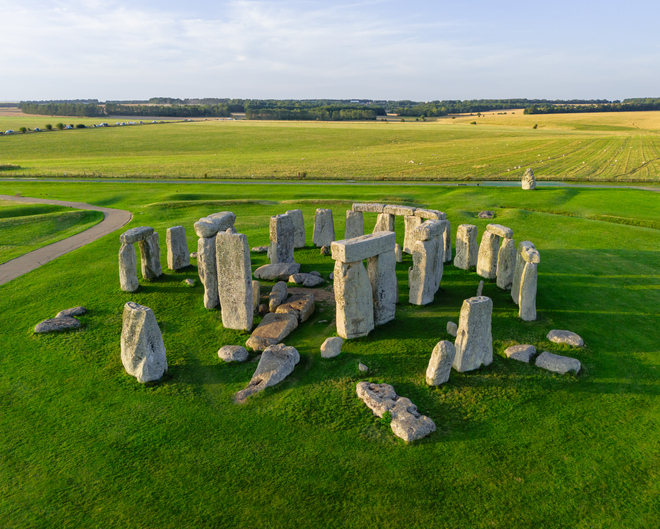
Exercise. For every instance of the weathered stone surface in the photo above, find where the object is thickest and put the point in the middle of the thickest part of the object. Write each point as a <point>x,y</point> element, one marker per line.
<point>178,255</point>
<point>280,271</point>
<point>281,239</point>
<point>315,273</point>
<point>142,348</point>
<point>325,250</point>
<point>193,255</point>
<point>298,227</point>
<point>362,368</point>
<point>421,277</point>
<point>467,250</point>
<point>313,281</point>
<point>524,246</point>
<point>527,302</point>
<point>298,278</point>
<point>233,353</point>
<point>506,263</point>
<point>369,208</point>
<point>209,226</point>
<point>263,309</point>
<point>207,269</point>
<point>260,249</point>
<point>398,253</point>
<point>411,223</point>
<point>128,280</point>
<point>399,210</point>
<point>522,353</point>
<point>440,363</point>
<point>486,214</point>
<point>256,295</point>
<point>300,305</point>
<point>452,328</point>
<point>354,298</point>
<point>354,226</point>
<point>277,295</point>
<point>557,363</point>
<point>407,423</point>
<point>331,347</point>
<point>276,363</point>
<point>384,286</point>
<point>324,228</point>
<point>480,288</point>
<point>150,253</point>
<point>430,229</point>
<point>332,276</point>
<point>433,214</point>
<point>446,236</point>
<point>474,341</point>
<point>136,234</point>
<point>384,222</point>
<point>59,323</point>
<point>500,230</point>
<point>565,337</point>
<point>234,280</point>
<point>70,313</point>
<point>528,180</point>
<point>272,330</point>
<point>360,248</point>
<point>189,282</point>
<point>531,255</point>
<point>487,259</point>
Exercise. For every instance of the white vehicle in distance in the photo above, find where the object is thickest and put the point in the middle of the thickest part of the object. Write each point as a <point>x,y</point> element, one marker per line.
<point>9,131</point>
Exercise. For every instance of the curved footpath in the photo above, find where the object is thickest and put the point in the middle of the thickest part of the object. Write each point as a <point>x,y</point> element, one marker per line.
<point>114,219</point>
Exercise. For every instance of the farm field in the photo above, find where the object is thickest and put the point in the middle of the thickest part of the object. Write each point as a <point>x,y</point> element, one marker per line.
<point>612,147</point>
<point>26,227</point>
<point>84,444</point>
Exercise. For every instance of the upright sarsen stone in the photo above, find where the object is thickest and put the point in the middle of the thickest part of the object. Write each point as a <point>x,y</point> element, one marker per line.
<point>142,347</point>
<point>487,258</point>
<point>128,279</point>
<point>324,228</point>
<point>506,263</point>
<point>354,226</point>
<point>446,236</point>
<point>207,269</point>
<point>474,341</point>
<point>281,239</point>
<point>384,222</point>
<point>528,180</point>
<point>234,280</point>
<point>467,250</point>
<point>298,227</point>
<point>353,294</point>
<point>523,249</point>
<point>527,300</point>
<point>384,286</point>
<point>178,255</point>
<point>421,277</point>
<point>439,367</point>
<point>411,223</point>
<point>150,254</point>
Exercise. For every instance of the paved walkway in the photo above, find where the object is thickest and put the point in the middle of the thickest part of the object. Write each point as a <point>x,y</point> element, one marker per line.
<point>114,219</point>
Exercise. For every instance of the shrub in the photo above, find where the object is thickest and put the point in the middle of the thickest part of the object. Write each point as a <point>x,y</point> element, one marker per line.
<point>473,123</point>
<point>49,127</point>
<point>60,126</point>
<point>80,126</point>
<point>535,126</point>
<point>23,130</point>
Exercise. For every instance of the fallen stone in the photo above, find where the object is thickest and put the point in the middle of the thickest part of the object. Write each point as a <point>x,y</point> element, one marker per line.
<point>399,210</point>
<point>324,228</point>
<point>369,208</point>
<point>331,347</point>
<point>208,272</point>
<point>528,181</point>
<point>263,309</point>
<point>557,363</point>
<point>506,262</point>
<point>354,298</point>
<point>234,280</point>
<point>233,353</point>
<point>384,222</point>
<point>300,305</point>
<point>313,281</point>
<point>178,255</point>
<point>452,328</point>
<point>360,248</point>
<point>193,255</point>
<point>398,253</point>
<point>150,252</point>
<point>522,353</point>
<point>433,214</point>
<point>325,250</point>
<point>277,295</point>
<point>480,288</point>
<point>362,368</point>
<point>211,225</point>
<point>280,271</point>
<point>486,214</point>
<point>467,251</point>
<point>500,230</point>
<point>189,282</point>
<point>354,226</point>
<point>259,249</point>
<point>281,239</point>
<point>60,323</point>
<point>298,227</point>
<point>439,367</point>
<point>128,280</point>
<point>315,273</point>
<point>474,341</point>
<point>565,337</point>
<point>332,276</point>
<point>276,363</point>
<point>75,311</point>
<point>487,259</point>
<point>272,330</point>
<point>136,234</point>
<point>142,348</point>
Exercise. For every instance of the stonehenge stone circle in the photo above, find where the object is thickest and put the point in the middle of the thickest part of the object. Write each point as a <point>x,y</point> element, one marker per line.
<point>474,341</point>
<point>128,280</point>
<point>178,255</point>
<point>439,367</point>
<point>411,223</point>
<point>384,222</point>
<point>487,258</point>
<point>298,227</point>
<point>528,180</point>
<point>281,239</point>
<point>324,228</point>
<point>354,226</point>
<point>276,363</point>
<point>467,250</point>
<point>142,347</point>
<point>208,272</point>
<point>331,347</point>
<point>565,337</point>
<point>233,353</point>
<point>557,363</point>
<point>506,262</point>
<point>522,353</point>
<point>234,280</point>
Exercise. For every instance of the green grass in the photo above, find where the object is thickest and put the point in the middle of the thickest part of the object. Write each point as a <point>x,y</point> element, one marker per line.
<point>27,227</point>
<point>85,445</point>
<point>607,147</point>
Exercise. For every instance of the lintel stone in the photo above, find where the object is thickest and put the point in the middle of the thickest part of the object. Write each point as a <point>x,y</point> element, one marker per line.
<point>369,208</point>
<point>500,230</point>
<point>360,248</point>
<point>399,210</point>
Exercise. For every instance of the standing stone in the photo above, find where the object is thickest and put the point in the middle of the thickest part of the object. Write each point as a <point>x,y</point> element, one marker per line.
<point>384,286</point>
<point>281,239</point>
<point>178,255</point>
<point>506,262</point>
<point>150,253</point>
<point>467,251</point>
<point>439,366</point>
<point>480,288</point>
<point>452,328</point>
<point>234,280</point>
<point>384,222</point>
<point>355,305</point>
<point>528,180</point>
<point>447,240</point>
<point>398,253</point>
<point>474,341</point>
<point>128,280</point>
<point>298,227</point>
<point>527,302</point>
<point>523,247</point>
<point>208,274</point>
<point>324,228</point>
<point>142,347</point>
<point>487,259</point>
<point>421,277</point>
<point>256,295</point>
<point>411,223</point>
<point>354,226</point>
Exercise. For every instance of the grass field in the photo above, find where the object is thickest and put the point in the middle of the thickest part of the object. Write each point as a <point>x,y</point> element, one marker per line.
<point>85,445</point>
<point>26,227</point>
<point>592,147</point>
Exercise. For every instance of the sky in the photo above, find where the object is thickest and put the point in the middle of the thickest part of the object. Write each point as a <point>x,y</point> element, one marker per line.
<point>283,49</point>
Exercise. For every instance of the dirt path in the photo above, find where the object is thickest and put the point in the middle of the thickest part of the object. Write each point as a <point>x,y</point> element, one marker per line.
<point>114,219</point>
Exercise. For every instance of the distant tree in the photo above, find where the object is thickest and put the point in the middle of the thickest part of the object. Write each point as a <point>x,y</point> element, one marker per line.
<point>23,129</point>
<point>536,126</point>
<point>49,127</point>
<point>60,126</point>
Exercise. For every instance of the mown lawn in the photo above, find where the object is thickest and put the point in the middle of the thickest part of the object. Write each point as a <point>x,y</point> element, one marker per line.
<point>85,445</point>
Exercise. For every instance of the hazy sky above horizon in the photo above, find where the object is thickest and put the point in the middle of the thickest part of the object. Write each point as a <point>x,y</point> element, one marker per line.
<point>419,50</point>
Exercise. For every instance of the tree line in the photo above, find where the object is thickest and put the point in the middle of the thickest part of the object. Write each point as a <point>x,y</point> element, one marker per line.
<point>579,109</point>
<point>328,113</point>
<point>181,111</point>
<point>62,109</point>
